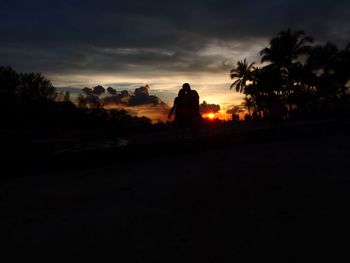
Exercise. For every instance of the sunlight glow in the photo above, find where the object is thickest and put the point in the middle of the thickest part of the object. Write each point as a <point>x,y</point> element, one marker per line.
<point>211,116</point>
<point>212,87</point>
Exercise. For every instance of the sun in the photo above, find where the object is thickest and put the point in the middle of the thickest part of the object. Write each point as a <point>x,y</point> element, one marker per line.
<point>211,116</point>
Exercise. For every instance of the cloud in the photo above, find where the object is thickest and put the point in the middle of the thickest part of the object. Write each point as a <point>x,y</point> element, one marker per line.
<point>98,90</point>
<point>123,44</point>
<point>111,91</point>
<point>148,36</point>
<point>138,103</point>
<point>205,108</point>
<point>121,98</point>
<point>141,96</point>
<point>95,91</point>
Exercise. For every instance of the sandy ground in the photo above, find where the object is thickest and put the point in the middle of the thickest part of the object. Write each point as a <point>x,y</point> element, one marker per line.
<point>284,200</point>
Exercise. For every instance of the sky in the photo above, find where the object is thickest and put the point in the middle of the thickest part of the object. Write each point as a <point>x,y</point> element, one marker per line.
<point>128,44</point>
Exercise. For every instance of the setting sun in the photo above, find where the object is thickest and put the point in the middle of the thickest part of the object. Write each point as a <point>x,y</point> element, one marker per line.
<point>211,116</point>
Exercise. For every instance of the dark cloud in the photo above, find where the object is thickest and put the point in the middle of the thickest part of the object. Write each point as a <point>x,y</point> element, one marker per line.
<point>121,98</point>
<point>141,96</point>
<point>154,36</point>
<point>87,91</point>
<point>95,91</point>
<point>111,91</point>
<point>139,103</point>
<point>205,108</point>
<point>98,90</point>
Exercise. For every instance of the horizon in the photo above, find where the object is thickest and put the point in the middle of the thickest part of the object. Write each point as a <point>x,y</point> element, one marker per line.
<point>129,43</point>
<point>167,96</point>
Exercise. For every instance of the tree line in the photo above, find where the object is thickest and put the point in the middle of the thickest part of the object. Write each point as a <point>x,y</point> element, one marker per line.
<point>29,100</point>
<point>311,80</point>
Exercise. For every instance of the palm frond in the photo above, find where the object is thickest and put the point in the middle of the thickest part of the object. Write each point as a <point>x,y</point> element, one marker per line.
<point>234,84</point>
<point>234,75</point>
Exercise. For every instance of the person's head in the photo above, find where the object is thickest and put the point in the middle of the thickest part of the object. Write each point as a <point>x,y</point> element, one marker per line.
<point>186,87</point>
<point>181,93</point>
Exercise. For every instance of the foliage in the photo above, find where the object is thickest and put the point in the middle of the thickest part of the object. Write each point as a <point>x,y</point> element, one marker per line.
<point>310,80</point>
<point>27,100</point>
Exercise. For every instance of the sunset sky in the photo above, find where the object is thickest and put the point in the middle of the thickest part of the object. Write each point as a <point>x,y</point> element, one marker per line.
<point>126,44</point>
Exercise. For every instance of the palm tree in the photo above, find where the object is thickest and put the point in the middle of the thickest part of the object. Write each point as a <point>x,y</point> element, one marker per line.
<point>342,69</point>
<point>286,47</point>
<point>283,54</point>
<point>248,103</point>
<point>242,73</point>
<point>323,60</point>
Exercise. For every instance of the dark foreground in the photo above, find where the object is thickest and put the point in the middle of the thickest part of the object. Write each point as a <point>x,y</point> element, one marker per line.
<point>264,200</point>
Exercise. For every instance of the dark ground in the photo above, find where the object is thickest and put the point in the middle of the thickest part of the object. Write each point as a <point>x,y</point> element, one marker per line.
<point>258,195</point>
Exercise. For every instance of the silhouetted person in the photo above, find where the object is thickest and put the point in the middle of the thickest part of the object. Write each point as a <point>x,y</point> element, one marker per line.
<point>181,112</point>
<point>194,118</point>
<point>187,115</point>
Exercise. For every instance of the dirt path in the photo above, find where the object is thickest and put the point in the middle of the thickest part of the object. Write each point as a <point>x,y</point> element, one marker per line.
<point>261,201</point>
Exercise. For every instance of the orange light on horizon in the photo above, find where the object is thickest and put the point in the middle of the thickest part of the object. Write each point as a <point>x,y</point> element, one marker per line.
<point>221,115</point>
<point>211,116</point>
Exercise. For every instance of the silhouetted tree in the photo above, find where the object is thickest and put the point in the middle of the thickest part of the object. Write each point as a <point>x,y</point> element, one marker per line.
<point>283,54</point>
<point>35,87</point>
<point>67,97</point>
<point>322,61</point>
<point>241,74</point>
<point>343,69</point>
<point>25,98</point>
<point>87,91</point>
<point>9,81</point>
<point>81,101</point>
<point>29,100</point>
<point>248,103</point>
<point>311,80</point>
<point>286,47</point>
